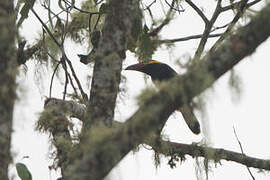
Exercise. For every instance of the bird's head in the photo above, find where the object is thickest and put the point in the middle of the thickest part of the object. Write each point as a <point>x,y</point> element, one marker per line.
<point>157,70</point>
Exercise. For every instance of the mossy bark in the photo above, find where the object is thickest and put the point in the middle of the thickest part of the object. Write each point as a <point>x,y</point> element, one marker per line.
<point>7,82</point>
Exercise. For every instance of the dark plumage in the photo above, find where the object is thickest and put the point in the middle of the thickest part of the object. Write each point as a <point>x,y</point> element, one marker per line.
<point>162,72</point>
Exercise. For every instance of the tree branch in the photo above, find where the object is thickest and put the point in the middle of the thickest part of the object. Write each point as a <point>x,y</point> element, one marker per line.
<point>108,61</point>
<point>54,121</point>
<point>207,30</point>
<point>231,25</point>
<point>236,5</point>
<point>188,38</point>
<point>103,153</point>
<point>166,21</point>
<point>216,154</point>
<point>199,12</point>
<point>72,108</point>
<point>240,144</point>
<point>61,47</point>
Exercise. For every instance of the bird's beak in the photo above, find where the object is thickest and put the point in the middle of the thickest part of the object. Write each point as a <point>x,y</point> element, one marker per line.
<point>135,67</point>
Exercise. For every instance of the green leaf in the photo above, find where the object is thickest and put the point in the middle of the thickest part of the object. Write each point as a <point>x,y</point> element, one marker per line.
<point>23,171</point>
<point>25,10</point>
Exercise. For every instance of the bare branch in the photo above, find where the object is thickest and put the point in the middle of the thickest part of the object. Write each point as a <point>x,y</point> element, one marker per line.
<point>236,5</point>
<point>45,26</point>
<point>84,95</point>
<point>219,27</point>
<point>81,10</point>
<point>243,153</point>
<point>232,24</point>
<point>207,30</point>
<point>188,38</point>
<point>148,7</point>
<point>52,78</point>
<point>166,21</point>
<point>199,12</point>
<point>173,4</point>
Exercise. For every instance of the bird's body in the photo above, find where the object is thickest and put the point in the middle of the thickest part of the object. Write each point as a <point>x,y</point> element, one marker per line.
<point>161,72</point>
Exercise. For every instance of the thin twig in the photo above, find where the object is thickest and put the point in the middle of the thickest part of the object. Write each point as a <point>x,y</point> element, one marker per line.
<point>55,69</point>
<point>166,21</point>
<point>49,12</point>
<point>219,27</point>
<point>72,85</point>
<point>45,26</point>
<point>80,10</point>
<point>65,31</point>
<point>95,26</point>
<point>231,25</point>
<point>148,7</point>
<point>199,12</point>
<point>62,50</point>
<point>89,23</point>
<point>54,14</point>
<point>242,152</point>
<point>76,79</point>
<point>66,77</point>
<point>188,38</point>
<point>172,6</point>
<point>207,30</point>
<point>236,5</point>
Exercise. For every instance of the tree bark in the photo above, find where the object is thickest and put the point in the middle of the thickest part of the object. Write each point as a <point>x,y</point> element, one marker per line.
<point>108,62</point>
<point>7,82</point>
<point>216,154</point>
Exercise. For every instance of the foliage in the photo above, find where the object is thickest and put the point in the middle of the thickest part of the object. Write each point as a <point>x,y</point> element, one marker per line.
<point>23,171</point>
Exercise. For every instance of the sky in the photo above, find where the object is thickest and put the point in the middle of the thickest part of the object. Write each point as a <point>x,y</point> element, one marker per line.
<point>248,113</point>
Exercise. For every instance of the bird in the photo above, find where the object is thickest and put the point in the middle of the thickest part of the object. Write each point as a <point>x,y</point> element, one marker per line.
<point>161,72</point>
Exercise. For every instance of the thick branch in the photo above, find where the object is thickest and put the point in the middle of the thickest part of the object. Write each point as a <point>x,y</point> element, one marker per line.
<point>71,108</point>
<point>104,152</point>
<point>171,148</point>
<point>108,61</point>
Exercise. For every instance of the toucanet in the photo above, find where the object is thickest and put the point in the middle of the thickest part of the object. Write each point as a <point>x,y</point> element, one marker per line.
<point>161,72</point>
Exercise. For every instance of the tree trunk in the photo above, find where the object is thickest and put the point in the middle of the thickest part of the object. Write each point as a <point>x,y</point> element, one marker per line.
<point>7,81</point>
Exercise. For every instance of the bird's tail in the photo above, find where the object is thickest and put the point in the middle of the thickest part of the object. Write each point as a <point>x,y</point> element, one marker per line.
<point>190,119</point>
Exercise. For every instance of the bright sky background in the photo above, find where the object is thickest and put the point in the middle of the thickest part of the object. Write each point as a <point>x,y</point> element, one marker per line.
<point>249,115</point>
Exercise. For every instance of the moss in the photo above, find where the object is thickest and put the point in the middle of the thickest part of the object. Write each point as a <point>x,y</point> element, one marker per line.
<point>50,120</point>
